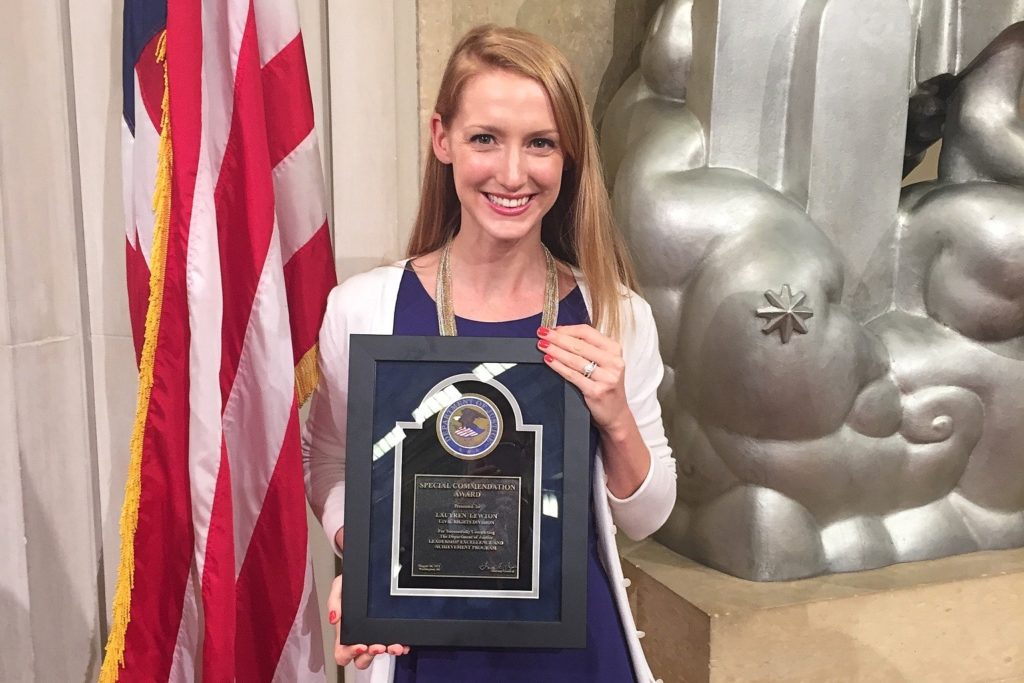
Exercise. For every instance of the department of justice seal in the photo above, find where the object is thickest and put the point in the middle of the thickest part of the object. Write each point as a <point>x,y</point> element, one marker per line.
<point>470,427</point>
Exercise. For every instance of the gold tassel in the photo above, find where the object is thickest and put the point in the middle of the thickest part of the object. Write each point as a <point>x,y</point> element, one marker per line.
<point>306,375</point>
<point>114,658</point>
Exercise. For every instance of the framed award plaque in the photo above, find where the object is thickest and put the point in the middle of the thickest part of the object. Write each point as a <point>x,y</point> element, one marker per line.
<point>466,495</point>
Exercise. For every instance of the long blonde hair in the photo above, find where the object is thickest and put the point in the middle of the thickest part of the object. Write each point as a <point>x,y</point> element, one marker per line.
<point>579,228</point>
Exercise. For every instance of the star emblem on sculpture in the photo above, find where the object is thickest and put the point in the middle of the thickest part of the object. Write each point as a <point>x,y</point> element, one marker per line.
<point>786,313</point>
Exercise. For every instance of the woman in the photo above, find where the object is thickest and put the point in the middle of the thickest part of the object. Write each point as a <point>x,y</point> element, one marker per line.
<point>513,217</point>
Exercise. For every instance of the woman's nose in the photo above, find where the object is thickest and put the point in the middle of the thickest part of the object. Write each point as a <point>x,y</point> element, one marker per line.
<point>512,173</point>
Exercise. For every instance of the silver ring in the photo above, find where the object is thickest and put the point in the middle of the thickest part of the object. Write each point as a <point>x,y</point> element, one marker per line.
<point>588,369</point>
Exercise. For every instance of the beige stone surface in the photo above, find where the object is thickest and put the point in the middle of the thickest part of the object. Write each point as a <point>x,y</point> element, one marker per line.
<point>955,619</point>
<point>373,123</point>
<point>61,548</point>
<point>49,579</point>
<point>17,655</point>
<point>115,388</point>
<point>95,43</point>
<point>601,38</point>
<point>38,214</point>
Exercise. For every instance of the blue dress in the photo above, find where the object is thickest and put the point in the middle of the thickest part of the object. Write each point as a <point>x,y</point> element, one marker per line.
<point>606,656</point>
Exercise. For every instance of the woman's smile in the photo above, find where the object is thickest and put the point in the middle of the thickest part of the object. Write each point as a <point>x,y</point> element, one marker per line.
<point>509,205</point>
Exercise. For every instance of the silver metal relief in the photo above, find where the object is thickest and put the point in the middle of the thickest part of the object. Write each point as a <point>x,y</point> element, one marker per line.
<point>762,143</point>
<point>786,313</point>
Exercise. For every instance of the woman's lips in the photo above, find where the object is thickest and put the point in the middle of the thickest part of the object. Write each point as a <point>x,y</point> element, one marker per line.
<point>509,206</point>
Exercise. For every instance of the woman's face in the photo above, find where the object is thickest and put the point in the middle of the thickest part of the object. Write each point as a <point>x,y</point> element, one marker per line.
<point>505,153</point>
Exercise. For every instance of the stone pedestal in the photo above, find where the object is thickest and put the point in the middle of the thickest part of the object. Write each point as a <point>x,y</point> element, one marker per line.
<point>954,619</point>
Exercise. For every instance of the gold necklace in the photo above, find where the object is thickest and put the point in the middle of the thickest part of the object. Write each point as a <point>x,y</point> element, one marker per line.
<point>443,293</point>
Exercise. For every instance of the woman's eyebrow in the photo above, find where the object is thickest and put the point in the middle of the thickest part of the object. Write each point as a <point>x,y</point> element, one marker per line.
<point>494,130</point>
<point>485,128</point>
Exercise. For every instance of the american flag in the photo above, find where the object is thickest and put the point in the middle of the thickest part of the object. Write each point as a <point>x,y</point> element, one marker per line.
<point>229,266</point>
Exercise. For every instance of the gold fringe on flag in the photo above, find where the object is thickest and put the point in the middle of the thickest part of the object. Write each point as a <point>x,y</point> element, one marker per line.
<point>114,658</point>
<point>306,375</point>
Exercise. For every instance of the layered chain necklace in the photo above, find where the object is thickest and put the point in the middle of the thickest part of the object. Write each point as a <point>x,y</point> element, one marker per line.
<point>443,293</point>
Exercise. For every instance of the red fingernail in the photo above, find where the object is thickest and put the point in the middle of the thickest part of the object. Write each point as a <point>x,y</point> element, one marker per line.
<point>548,359</point>
<point>332,616</point>
<point>360,650</point>
<point>543,343</point>
<point>542,331</point>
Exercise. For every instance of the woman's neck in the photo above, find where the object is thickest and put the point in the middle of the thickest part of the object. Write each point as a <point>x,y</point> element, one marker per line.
<point>493,280</point>
<point>493,269</point>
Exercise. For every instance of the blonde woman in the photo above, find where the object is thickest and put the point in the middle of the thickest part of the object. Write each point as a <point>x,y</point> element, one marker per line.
<point>514,215</point>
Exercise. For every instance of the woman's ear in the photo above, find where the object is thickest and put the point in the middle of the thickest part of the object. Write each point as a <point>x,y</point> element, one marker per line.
<point>439,139</point>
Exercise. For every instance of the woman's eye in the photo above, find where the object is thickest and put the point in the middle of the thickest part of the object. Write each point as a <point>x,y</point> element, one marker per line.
<point>542,143</point>
<point>482,138</point>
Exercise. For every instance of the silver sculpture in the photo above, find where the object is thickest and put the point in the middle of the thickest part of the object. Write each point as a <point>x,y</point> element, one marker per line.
<point>759,151</point>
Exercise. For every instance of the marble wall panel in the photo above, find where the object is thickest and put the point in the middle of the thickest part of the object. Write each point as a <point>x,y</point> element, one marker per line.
<point>47,385</point>
<point>16,650</point>
<point>372,52</point>
<point>38,213</point>
<point>57,501</point>
<point>5,314</point>
<point>95,37</point>
<point>115,385</point>
<point>313,21</point>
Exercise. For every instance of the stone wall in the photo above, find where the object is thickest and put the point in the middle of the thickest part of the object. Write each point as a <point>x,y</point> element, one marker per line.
<point>48,452</point>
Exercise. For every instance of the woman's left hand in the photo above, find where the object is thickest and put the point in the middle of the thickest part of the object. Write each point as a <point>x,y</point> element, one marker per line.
<point>569,349</point>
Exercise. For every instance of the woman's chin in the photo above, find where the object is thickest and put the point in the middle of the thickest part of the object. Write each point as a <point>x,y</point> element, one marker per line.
<point>504,229</point>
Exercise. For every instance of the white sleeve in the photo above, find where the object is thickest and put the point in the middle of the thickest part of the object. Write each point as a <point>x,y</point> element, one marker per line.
<point>323,437</point>
<point>643,513</point>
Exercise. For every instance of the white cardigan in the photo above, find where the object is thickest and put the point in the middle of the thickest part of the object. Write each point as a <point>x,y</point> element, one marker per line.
<point>365,304</point>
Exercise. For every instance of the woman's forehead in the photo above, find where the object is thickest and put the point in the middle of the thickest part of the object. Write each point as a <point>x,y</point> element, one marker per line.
<point>501,98</point>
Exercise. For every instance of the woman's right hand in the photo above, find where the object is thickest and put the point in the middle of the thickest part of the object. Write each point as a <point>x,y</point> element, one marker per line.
<point>361,654</point>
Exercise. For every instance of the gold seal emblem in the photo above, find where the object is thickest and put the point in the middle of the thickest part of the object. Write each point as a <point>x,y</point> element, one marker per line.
<point>470,427</point>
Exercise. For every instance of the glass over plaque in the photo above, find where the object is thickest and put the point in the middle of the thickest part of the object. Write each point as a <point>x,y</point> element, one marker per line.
<point>467,488</point>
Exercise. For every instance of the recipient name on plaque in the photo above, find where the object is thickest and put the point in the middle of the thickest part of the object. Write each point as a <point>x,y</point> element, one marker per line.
<point>466,527</point>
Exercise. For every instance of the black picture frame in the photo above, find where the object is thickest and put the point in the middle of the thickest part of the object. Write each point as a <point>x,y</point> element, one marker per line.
<point>374,361</point>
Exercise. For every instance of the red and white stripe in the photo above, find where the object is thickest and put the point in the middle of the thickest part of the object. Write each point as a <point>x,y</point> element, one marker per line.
<point>163,606</point>
<point>249,226</point>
